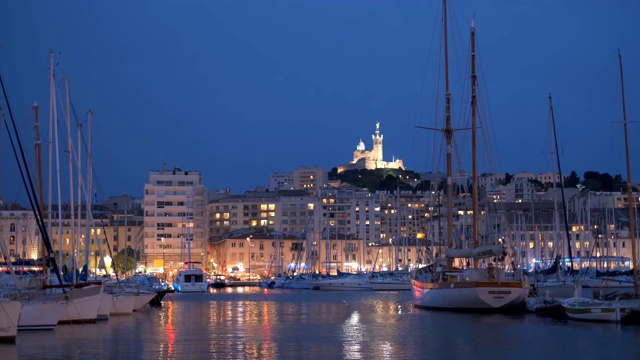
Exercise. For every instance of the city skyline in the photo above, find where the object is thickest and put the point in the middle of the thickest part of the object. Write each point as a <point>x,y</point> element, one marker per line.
<point>240,90</point>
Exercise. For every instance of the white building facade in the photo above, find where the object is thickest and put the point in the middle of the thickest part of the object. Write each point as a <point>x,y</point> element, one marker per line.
<point>175,205</point>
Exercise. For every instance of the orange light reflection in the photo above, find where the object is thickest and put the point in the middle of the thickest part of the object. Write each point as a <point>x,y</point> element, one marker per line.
<point>170,334</point>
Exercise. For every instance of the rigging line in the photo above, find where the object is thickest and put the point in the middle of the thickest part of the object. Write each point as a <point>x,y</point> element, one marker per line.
<point>31,193</point>
<point>456,46</point>
<point>106,239</point>
<point>423,81</point>
<point>564,203</point>
<point>437,139</point>
<point>73,148</point>
<point>485,115</point>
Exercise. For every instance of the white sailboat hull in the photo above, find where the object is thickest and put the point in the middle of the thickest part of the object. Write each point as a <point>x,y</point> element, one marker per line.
<point>41,314</point>
<point>9,320</point>
<point>141,299</point>
<point>299,283</point>
<point>83,305</point>
<point>351,283</point>
<point>104,310</point>
<point>390,281</point>
<point>471,295</point>
<point>122,304</point>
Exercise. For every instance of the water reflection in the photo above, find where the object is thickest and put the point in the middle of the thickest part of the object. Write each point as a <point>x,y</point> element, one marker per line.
<point>169,332</point>
<point>353,335</point>
<point>289,324</point>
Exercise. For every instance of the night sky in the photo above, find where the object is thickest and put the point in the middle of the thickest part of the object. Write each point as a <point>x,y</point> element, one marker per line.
<point>239,90</point>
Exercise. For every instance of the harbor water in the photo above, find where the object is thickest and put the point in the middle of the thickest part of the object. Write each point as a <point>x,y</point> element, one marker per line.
<point>257,323</point>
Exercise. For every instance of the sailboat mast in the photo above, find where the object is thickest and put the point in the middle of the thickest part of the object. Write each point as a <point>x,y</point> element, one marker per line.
<point>71,207</point>
<point>448,132</point>
<point>52,112</point>
<point>38,156</point>
<point>474,166</point>
<point>564,203</point>
<point>631,201</point>
<point>42,251</point>
<point>79,189</point>
<point>89,192</point>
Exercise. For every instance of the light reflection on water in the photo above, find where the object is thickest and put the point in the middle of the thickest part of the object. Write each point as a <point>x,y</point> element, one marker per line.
<point>254,323</point>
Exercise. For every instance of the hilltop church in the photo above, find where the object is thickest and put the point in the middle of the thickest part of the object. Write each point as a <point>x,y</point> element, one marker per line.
<point>371,159</point>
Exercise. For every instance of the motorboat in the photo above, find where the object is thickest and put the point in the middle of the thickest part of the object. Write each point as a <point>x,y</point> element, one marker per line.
<point>191,279</point>
<point>352,282</point>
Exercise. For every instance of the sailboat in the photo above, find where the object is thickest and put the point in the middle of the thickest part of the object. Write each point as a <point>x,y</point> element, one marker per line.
<point>441,286</point>
<point>556,285</point>
<point>629,302</point>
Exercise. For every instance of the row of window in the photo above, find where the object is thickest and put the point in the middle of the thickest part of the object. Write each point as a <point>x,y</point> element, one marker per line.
<point>170,183</point>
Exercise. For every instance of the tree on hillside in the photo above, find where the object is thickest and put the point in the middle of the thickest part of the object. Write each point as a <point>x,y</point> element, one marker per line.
<point>538,185</point>
<point>607,182</point>
<point>572,180</point>
<point>424,185</point>
<point>618,183</point>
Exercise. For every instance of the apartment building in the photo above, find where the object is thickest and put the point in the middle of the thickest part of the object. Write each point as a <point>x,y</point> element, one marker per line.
<point>175,207</point>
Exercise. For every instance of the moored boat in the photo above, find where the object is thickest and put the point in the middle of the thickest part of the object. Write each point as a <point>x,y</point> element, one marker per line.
<point>83,303</point>
<point>390,281</point>
<point>466,285</point>
<point>41,312</point>
<point>470,289</point>
<point>150,283</point>
<point>579,308</point>
<point>546,306</point>
<point>190,280</point>
<point>302,281</point>
<point>218,281</point>
<point>142,298</point>
<point>353,282</point>
<point>122,304</point>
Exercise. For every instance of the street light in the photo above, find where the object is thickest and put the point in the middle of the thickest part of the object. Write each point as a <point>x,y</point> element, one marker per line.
<point>249,267</point>
<point>164,274</point>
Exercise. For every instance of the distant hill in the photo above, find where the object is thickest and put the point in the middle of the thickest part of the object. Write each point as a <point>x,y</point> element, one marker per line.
<point>407,180</point>
<point>381,179</point>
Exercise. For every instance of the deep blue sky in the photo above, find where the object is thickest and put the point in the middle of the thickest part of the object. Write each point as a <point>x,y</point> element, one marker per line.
<point>241,89</point>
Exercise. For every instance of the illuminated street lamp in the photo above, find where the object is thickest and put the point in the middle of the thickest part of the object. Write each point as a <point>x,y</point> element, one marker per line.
<point>164,274</point>
<point>249,267</point>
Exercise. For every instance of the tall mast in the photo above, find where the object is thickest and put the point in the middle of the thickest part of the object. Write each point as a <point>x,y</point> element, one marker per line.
<point>71,207</point>
<point>89,192</point>
<point>52,112</point>
<point>42,251</point>
<point>631,201</point>
<point>448,133</point>
<point>474,156</point>
<point>38,157</point>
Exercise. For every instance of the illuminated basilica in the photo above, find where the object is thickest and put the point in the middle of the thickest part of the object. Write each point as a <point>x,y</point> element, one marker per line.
<point>371,159</point>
